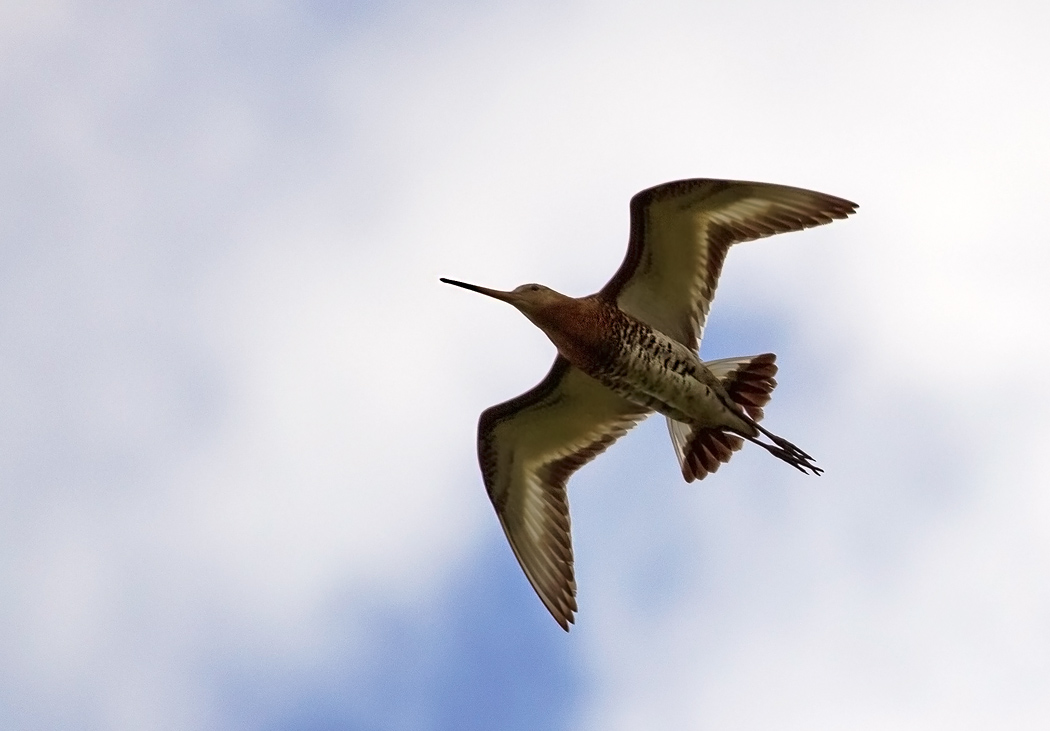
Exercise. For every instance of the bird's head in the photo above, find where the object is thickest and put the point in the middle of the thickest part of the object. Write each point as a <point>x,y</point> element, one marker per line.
<point>532,300</point>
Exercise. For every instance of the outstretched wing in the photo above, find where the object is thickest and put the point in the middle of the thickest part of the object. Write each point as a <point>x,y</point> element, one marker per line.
<point>528,447</point>
<point>680,233</point>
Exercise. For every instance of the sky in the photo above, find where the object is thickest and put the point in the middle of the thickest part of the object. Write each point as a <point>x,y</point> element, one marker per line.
<point>238,486</point>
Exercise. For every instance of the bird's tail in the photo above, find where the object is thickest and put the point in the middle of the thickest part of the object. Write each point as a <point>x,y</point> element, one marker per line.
<point>750,382</point>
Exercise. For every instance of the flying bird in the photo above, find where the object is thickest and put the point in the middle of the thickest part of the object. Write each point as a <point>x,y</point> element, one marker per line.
<point>631,349</point>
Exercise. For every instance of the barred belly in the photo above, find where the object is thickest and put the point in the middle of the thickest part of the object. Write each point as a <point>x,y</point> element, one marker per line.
<point>660,373</point>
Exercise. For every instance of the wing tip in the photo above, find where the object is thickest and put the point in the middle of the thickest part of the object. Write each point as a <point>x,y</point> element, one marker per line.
<point>561,606</point>
<point>565,621</point>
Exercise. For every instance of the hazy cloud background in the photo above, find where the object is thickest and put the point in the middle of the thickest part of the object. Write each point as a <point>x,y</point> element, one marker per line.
<point>237,477</point>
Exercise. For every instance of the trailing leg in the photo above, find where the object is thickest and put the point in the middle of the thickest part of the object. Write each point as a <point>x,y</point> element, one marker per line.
<point>784,450</point>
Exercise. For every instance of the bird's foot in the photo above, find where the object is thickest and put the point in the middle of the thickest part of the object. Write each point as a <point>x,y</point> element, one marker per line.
<point>784,450</point>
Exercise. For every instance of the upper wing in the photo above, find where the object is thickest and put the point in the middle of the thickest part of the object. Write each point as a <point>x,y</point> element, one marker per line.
<point>680,233</point>
<point>528,447</point>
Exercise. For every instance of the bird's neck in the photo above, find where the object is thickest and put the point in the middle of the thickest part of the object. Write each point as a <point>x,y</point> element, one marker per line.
<point>581,329</point>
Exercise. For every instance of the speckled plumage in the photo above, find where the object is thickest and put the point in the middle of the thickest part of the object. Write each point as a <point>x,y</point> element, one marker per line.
<point>655,371</point>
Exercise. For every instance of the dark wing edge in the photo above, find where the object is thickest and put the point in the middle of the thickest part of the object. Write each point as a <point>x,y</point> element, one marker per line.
<point>729,212</point>
<point>528,448</point>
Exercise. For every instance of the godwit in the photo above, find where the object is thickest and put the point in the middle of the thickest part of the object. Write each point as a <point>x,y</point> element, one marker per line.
<point>629,350</point>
